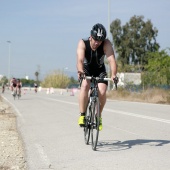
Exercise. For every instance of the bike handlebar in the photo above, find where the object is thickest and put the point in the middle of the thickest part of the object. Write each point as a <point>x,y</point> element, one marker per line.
<point>115,80</point>
<point>98,78</point>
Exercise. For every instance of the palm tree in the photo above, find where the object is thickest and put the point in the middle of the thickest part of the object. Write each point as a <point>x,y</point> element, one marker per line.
<point>36,75</point>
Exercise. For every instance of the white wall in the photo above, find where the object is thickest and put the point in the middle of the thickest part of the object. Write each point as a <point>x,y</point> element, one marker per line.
<point>126,78</point>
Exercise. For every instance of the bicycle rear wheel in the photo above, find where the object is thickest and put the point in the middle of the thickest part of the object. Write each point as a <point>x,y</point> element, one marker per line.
<point>87,126</point>
<point>14,94</point>
<point>95,124</point>
<point>19,94</point>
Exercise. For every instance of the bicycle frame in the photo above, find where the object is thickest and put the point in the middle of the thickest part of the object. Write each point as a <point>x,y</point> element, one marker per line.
<point>19,92</point>
<point>14,92</point>
<point>90,121</point>
<point>92,114</point>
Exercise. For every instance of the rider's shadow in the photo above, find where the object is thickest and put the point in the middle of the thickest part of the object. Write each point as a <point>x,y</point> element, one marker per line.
<point>110,145</point>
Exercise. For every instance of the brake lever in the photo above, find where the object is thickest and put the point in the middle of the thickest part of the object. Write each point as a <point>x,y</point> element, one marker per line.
<point>82,76</point>
<point>116,81</point>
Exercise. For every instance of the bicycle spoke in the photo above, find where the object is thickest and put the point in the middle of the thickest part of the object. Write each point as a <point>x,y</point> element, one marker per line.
<point>92,117</point>
<point>95,125</point>
<point>87,127</point>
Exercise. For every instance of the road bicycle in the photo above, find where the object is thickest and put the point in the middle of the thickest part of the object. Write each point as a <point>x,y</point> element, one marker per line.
<point>92,114</point>
<point>14,93</point>
<point>3,89</point>
<point>19,93</point>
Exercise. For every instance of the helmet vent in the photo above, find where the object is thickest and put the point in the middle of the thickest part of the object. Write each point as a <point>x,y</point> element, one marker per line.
<point>100,33</point>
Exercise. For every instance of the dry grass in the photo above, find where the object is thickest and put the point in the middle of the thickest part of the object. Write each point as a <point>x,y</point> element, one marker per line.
<point>149,96</point>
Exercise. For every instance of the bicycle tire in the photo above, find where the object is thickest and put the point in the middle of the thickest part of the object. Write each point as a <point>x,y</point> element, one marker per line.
<point>87,126</point>
<point>14,95</point>
<point>95,124</point>
<point>19,94</point>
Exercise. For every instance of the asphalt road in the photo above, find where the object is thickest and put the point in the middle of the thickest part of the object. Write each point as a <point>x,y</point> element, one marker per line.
<point>135,136</point>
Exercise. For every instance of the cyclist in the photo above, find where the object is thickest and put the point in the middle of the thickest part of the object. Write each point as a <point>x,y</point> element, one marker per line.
<point>35,86</point>
<point>90,62</point>
<point>13,84</point>
<point>3,87</point>
<point>19,85</point>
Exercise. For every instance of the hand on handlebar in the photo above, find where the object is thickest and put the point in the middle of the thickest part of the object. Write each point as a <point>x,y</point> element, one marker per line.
<point>80,75</point>
<point>116,80</point>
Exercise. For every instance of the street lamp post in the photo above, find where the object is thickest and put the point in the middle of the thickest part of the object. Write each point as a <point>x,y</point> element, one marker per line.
<point>109,39</point>
<point>9,61</point>
<point>66,68</point>
<point>63,74</point>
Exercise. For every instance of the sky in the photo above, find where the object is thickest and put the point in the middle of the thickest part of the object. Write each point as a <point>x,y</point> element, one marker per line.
<point>44,34</point>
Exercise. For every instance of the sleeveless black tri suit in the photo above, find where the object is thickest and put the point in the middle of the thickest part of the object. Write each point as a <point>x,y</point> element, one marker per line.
<point>94,61</point>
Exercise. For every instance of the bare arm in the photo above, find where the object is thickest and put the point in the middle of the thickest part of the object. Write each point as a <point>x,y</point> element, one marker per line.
<point>80,56</point>
<point>110,57</point>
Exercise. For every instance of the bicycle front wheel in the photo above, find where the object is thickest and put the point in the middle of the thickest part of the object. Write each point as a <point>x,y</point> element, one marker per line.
<point>87,126</point>
<point>95,124</point>
<point>19,94</point>
<point>14,95</point>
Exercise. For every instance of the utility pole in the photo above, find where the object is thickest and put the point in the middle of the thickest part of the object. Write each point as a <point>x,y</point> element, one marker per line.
<point>9,61</point>
<point>109,39</point>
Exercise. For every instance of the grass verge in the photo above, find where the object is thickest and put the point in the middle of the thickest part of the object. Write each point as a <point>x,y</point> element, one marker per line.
<point>149,96</point>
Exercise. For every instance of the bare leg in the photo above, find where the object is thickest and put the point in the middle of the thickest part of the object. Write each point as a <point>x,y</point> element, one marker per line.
<point>83,96</point>
<point>102,95</point>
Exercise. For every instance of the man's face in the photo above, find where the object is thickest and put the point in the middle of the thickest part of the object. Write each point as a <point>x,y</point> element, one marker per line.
<point>95,43</point>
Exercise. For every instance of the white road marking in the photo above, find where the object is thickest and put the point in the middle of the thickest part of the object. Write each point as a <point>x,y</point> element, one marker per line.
<point>137,115</point>
<point>108,110</point>
<point>61,101</point>
<point>121,112</point>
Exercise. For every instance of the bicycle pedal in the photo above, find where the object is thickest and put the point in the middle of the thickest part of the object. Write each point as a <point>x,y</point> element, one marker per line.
<point>82,125</point>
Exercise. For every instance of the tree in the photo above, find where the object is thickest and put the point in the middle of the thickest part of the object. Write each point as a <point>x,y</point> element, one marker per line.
<point>4,80</point>
<point>36,75</point>
<point>133,40</point>
<point>26,82</point>
<point>157,71</point>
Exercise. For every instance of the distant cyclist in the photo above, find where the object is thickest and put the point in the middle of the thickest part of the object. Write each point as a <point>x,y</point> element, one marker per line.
<point>13,84</point>
<point>19,85</point>
<point>35,87</point>
<point>3,88</point>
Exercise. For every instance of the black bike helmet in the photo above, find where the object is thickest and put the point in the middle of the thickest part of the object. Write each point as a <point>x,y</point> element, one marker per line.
<point>98,32</point>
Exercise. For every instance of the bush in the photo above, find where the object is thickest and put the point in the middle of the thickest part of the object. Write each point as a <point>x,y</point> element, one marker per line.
<point>56,79</point>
